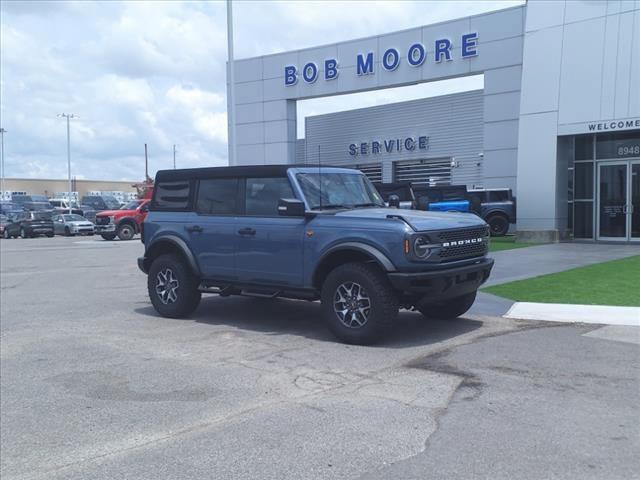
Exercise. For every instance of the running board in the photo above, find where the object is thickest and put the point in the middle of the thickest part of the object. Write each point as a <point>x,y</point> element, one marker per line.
<point>249,293</point>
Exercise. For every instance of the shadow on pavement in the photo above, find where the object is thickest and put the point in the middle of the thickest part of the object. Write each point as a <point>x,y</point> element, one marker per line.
<point>293,317</point>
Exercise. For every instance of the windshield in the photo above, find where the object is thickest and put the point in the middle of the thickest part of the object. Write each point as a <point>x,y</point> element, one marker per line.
<point>111,202</point>
<point>346,190</point>
<point>132,205</point>
<point>73,218</point>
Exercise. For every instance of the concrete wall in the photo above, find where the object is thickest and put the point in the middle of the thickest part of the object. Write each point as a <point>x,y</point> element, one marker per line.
<point>49,187</point>
<point>581,66</point>
<point>266,107</point>
<point>452,123</point>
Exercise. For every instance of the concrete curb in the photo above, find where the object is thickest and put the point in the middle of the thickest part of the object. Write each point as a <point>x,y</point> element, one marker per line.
<point>557,312</point>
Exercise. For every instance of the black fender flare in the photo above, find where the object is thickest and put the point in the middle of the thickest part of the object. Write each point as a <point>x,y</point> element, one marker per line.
<point>380,258</point>
<point>174,242</point>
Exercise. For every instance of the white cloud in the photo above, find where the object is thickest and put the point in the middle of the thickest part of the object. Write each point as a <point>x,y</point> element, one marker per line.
<point>154,72</point>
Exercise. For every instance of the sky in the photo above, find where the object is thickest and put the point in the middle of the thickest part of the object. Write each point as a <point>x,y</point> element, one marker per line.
<point>153,72</point>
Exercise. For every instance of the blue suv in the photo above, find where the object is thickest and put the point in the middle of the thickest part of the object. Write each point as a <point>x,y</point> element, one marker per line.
<point>308,233</point>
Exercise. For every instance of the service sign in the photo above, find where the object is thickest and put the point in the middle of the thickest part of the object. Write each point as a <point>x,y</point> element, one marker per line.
<point>389,145</point>
<point>415,56</point>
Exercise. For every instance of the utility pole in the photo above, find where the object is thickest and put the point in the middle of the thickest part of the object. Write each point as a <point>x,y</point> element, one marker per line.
<point>2,132</point>
<point>146,164</point>
<point>174,156</point>
<point>232,87</point>
<point>68,116</point>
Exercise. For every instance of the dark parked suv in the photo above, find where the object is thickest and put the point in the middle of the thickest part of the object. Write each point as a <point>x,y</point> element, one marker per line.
<point>308,233</point>
<point>28,224</point>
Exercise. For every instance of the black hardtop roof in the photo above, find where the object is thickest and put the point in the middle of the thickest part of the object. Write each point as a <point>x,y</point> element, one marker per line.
<point>226,172</point>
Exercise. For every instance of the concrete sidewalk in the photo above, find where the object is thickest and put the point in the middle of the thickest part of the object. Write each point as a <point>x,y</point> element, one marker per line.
<point>522,263</point>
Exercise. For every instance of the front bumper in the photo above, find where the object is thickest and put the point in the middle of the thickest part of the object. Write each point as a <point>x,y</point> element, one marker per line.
<point>108,228</point>
<point>443,284</point>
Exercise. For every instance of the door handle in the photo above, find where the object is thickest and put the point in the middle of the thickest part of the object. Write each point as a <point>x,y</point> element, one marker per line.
<point>247,231</point>
<point>194,229</point>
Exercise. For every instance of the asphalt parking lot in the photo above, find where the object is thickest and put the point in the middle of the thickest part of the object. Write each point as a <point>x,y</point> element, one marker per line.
<point>96,386</point>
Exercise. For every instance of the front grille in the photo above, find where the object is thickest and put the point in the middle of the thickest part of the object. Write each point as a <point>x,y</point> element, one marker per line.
<point>102,220</point>
<point>463,234</point>
<point>463,249</point>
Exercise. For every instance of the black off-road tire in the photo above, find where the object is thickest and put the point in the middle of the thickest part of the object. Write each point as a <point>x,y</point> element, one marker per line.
<point>50,235</point>
<point>108,236</point>
<point>449,309</point>
<point>187,293</point>
<point>23,233</point>
<point>383,303</point>
<point>498,225</point>
<point>126,231</point>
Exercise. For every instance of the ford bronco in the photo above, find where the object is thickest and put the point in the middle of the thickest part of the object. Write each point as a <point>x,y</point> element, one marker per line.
<point>308,233</point>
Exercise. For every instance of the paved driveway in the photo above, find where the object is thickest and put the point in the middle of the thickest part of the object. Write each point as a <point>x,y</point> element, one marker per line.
<point>96,386</point>
<point>521,263</point>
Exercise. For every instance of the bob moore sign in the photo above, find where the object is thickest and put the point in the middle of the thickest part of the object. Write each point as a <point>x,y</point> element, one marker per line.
<point>389,146</point>
<point>416,56</point>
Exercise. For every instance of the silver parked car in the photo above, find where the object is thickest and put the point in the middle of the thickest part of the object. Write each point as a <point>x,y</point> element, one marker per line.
<point>72,224</point>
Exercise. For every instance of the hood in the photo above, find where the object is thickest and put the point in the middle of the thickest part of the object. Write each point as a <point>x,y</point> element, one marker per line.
<point>111,213</point>
<point>418,219</point>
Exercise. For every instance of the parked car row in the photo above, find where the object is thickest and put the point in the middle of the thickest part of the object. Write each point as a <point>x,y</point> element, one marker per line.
<point>22,220</point>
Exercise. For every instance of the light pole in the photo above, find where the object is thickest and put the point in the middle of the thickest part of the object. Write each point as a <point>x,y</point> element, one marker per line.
<point>68,116</point>
<point>2,132</point>
<point>232,87</point>
<point>174,157</point>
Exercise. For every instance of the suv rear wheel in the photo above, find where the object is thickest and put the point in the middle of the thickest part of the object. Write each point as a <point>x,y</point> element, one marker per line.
<point>359,305</point>
<point>173,289</point>
<point>126,231</point>
<point>498,225</point>
<point>452,308</point>
<point>23,233</point>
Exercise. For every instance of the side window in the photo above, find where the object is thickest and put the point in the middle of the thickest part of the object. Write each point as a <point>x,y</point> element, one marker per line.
<point>217,196</point>
<point>172,195</point>
<point>262,195</point>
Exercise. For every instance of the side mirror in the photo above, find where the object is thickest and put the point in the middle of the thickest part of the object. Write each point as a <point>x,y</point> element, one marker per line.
<point>290,207</point>
<point>394,201</point>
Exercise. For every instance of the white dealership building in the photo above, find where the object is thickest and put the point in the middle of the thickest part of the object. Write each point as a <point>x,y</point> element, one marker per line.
<point>557,121</point>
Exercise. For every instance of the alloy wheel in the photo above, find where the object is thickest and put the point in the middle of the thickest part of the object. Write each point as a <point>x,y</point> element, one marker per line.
<point>352,304</point>
<point>167,286</point>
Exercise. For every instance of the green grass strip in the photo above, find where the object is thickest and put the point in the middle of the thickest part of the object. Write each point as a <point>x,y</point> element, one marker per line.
<point>506,243</point>
<point>610,283</point>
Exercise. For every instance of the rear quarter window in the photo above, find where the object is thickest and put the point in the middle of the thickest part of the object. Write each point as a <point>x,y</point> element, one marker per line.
<point>172,195</point>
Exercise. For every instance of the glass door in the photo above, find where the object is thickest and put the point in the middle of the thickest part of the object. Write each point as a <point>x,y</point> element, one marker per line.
<point>633,209</point>
<point>612,201</point>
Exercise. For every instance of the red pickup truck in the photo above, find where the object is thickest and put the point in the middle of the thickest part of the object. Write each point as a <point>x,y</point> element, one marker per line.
<point>123,223</point>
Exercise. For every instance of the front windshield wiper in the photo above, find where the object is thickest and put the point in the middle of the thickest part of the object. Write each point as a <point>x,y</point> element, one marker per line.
<point>329,206</point>
<point>370,204</point>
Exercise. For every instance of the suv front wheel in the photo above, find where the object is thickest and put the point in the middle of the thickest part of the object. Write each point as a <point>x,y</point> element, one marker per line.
<point>173,289</point>
<point>359,305</point>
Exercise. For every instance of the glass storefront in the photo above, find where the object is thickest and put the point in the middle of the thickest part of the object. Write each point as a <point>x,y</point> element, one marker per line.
<point>604,186</point>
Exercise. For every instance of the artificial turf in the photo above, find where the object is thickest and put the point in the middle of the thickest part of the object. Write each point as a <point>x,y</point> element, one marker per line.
<point>610,283</point>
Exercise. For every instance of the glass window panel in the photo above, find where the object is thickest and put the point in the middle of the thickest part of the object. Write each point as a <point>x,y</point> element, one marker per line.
<point>583,220</point>
<point>618,145</point>
<point>262,195</point>
<point>217,196</point>
<point>584,147</point>
<point>583,181</point>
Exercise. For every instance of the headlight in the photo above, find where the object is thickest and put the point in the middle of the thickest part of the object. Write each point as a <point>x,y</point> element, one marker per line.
<point>421,247</point>
<point>112,219</point>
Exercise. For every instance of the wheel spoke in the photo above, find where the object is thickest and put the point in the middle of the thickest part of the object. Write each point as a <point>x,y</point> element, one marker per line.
<point>352,304</point>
